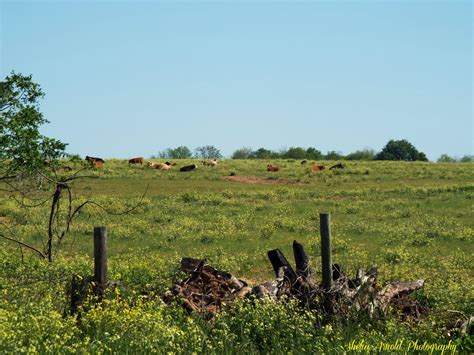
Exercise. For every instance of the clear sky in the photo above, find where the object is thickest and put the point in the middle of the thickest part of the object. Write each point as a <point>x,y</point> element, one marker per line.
<point>132,78</point>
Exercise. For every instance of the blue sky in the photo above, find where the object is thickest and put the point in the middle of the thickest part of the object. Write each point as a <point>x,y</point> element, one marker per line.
<point>127,78</point>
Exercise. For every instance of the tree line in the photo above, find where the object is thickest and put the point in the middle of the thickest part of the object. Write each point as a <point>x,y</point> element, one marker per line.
<point>393,150</point>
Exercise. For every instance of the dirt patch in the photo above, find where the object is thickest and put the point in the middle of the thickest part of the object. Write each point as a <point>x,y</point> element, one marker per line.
<point>251,179</point>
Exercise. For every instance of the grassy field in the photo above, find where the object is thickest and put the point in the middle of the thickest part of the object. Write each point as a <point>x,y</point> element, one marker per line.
<point>413,220</point>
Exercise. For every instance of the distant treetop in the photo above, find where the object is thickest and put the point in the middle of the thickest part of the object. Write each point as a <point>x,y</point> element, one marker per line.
<point>400,150</point>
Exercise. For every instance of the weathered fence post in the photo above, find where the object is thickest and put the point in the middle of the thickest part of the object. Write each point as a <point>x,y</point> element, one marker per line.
<point>325,228</point>
<point>100,257</point>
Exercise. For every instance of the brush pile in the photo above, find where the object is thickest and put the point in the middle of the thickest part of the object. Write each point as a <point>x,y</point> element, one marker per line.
<point>207,289</point>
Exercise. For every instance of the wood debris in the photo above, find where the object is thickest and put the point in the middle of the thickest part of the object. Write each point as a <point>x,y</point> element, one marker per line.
<point>207,289</point>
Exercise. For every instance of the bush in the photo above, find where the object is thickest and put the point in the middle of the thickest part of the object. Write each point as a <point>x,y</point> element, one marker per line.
<point>242,153</point>
<point>365,154</point>
<point>400,150</point>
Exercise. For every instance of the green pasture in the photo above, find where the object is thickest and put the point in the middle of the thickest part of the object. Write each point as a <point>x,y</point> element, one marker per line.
<point>412,219</point>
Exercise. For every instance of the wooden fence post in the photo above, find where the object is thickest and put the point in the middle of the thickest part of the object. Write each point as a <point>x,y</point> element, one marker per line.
<point>325,228</point>
<point>100,257</point>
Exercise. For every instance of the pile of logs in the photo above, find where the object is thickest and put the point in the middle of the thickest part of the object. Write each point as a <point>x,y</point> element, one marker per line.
<point>207,289</point>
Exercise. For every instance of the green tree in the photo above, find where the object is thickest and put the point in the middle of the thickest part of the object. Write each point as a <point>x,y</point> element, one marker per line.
<point>365,154</point>
<point>262,153</point>
<point>181,152</point>
<point>24,150</point>
<point>400,150</point>
<point>445,158</point>
<point>333,155</point>
<point>467,159</point>
<point>295,153</point>
<point>313,153</point>
<point>207,152</point>
<point>242,153</point>
<point>29,160</point>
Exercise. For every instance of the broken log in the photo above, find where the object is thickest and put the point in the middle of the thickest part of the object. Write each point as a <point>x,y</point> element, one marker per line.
<point>278,261</point>
<point>301,260</point>
<point>207,288</point>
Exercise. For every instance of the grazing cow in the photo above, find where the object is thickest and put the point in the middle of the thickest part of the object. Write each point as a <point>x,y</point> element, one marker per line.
<point>272,168</point>
<point>337,166</point>
<point>170,163</point>
<point>136,161</point>
<point>95,162</point>
<point>212,162</point>
<point>317,167</point>
<point>91,159</point>
<point>304,162</point>
<point>189,167</point>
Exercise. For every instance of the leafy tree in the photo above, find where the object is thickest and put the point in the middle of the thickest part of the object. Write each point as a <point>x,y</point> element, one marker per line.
<point>181,152</point>
<point>29,160</point>
<point>242,153</point>
<point>207,152</point>
<point>313,153</point>
<point>295,153</point>
<point>333,155</point>
<point>262,153</point>
<point>400,150</point>
<point>467,159</point>
<point>23,149</point>
<point>365,154</point>
<point>445,158</point>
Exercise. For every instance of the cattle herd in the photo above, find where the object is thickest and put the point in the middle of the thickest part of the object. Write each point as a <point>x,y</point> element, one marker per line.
<point>99,162</point>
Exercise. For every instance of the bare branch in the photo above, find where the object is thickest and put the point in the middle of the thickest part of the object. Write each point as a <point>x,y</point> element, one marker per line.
<point>25,245</point>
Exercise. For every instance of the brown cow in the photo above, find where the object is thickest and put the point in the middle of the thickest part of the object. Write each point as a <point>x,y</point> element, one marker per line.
<point>136,161</point>
<point>272,168</point>
<point>317,167</point>
<point>91,159</point>
<point>95,162</point>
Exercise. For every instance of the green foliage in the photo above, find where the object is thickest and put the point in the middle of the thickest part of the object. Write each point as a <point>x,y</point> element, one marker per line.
<point>313,153</point>
<point>262,153</point>
<point>24,149</point>
<point>365,154</point>
<point>295,153</point>
<point>181,152</point>
<point>467,159</point>
<point>242,153</point>
<point>333,155</point>
<point>291,153</point>
<point>445,158</point>
<point>207,152</point>
<point>400,150</point>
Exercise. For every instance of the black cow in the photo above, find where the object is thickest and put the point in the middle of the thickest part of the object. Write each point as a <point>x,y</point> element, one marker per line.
<point>189,167</point>
<point>337,166</point>
<point>92,159</point>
